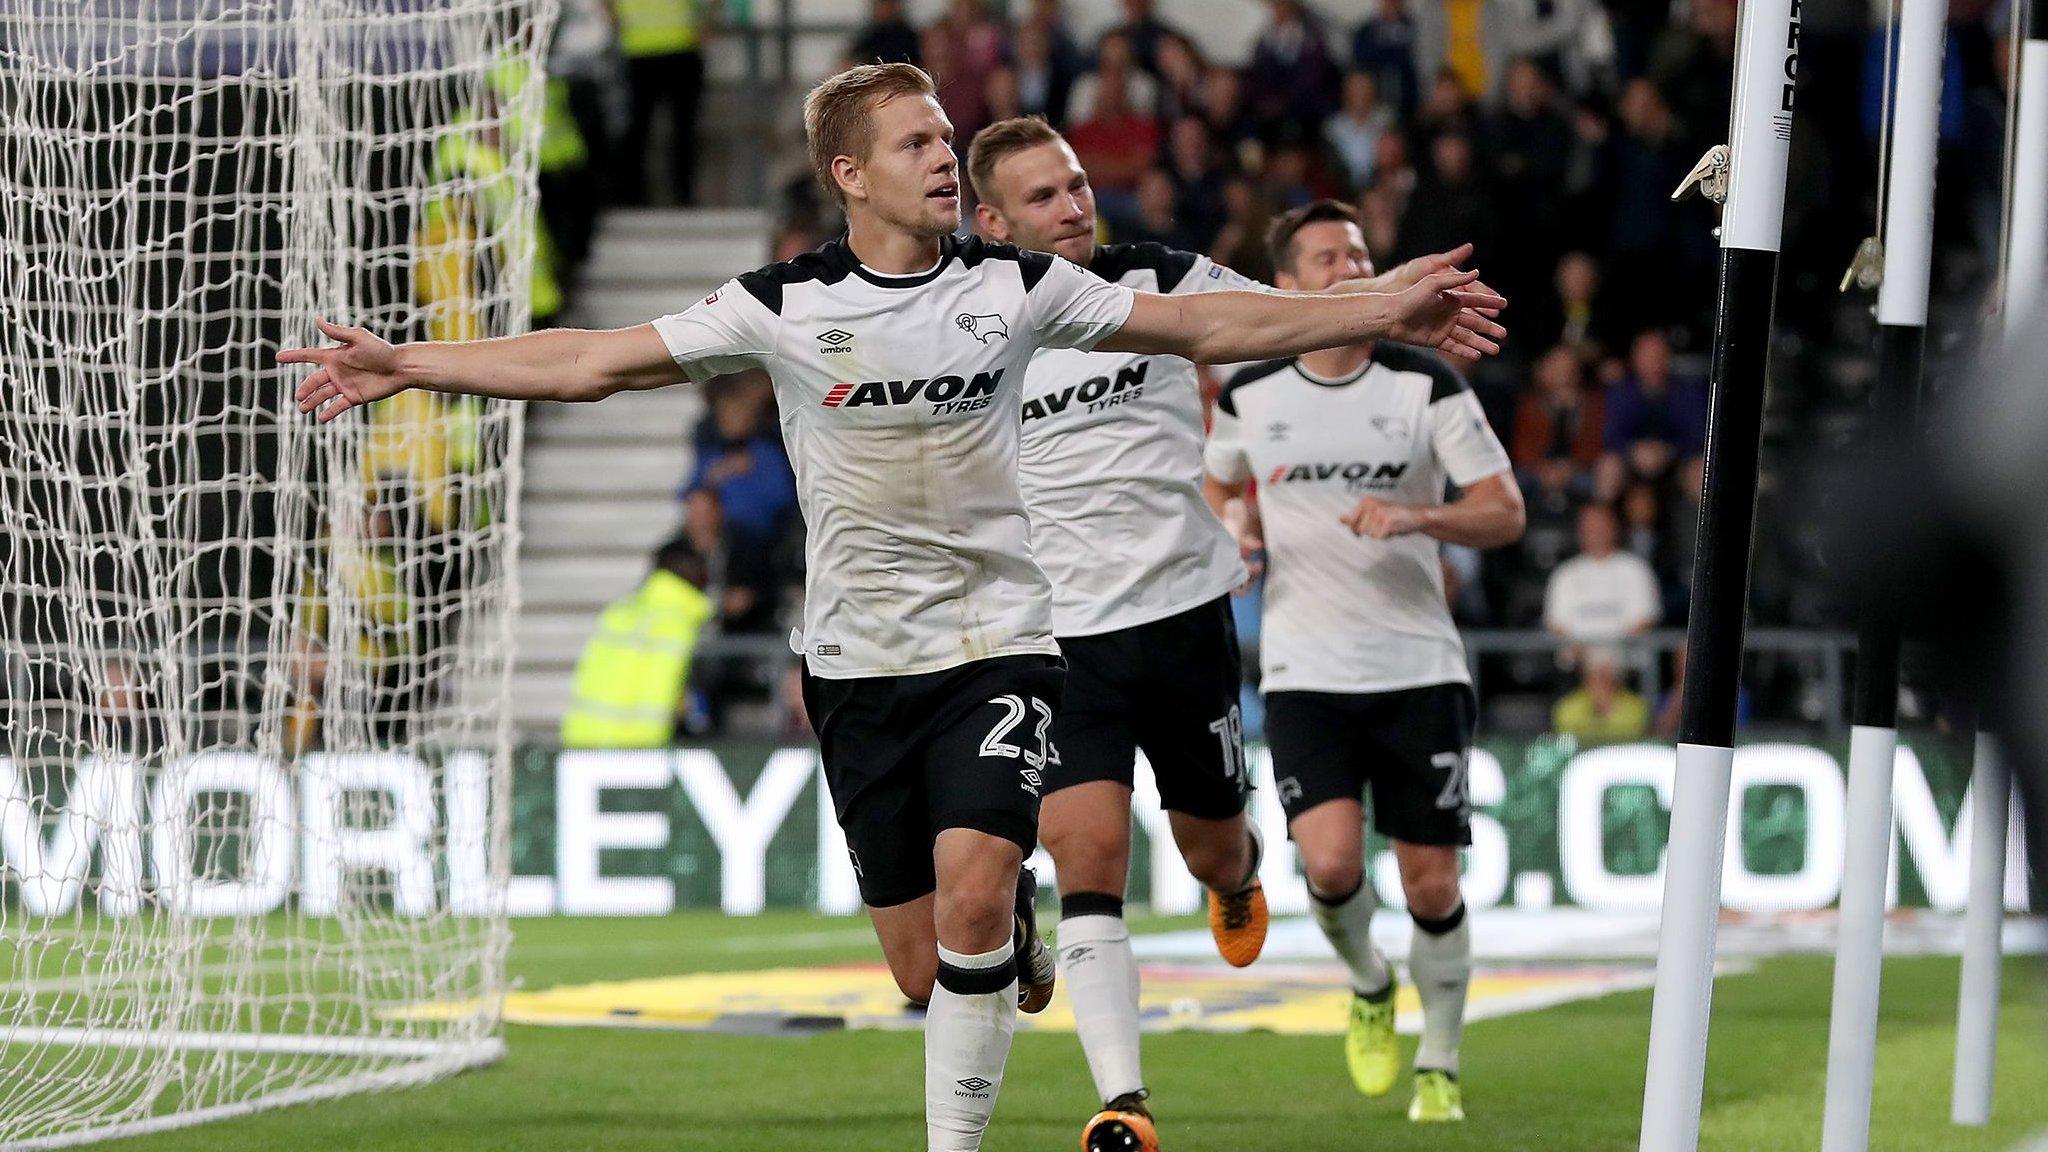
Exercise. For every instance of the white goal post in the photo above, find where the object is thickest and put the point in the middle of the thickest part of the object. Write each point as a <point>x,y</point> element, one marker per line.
<point>253,829</point>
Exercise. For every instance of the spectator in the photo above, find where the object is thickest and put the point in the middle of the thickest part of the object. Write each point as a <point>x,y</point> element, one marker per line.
<point>629,684</point>
<point>974,46</point>
<point>1291,177</point>
<point>1114,66</point>
<point>1654,419</point>
<point>1181,74</point>
<point>662,41</point>
<point>1230,126</point>
<point>1559,423</point>
<point>1241,242</point>
<point>1572,315</point>
<point>1450,206</point>
<point>1642,523</point>
<point>1379,213</point>
<point>1447,108</point>
<point>1649,240</point>
<point>1291,76</point>
<point>741,500</point>
<point>1116,142</point>
<point>1529,144</point>
<point>887,37</point>
<point>1603,595</point>
<point>1569,39</point>
<point>1384,47</point>
<point>1197,180</point>
<point>1693,69</point>
<point>1046,64</point>
<point>1157,219</point>
<point>1601,710</point>
<point>1004,97</point>
<point>1354,132</point>
<point>1455,39</point>
<point>1144,31</point>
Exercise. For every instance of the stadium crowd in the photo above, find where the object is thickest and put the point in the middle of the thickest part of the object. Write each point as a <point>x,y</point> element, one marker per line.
<point>1551,135</point>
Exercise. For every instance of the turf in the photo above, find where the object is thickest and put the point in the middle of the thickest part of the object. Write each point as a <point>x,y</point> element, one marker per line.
<point>1569,1078</point>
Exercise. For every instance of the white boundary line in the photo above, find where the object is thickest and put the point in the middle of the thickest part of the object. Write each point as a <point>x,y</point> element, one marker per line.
<point>470,1054</point>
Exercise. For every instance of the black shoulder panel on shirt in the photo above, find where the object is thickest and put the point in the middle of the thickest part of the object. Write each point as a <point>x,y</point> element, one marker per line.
<point>1444,380</point>
<point>1113,262</point>
<point>1243,376</point>
<point>1032,265</point>
<point>826,265</point>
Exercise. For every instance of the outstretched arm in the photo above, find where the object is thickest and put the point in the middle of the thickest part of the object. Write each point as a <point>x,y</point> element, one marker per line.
<point>558,364</point>
<point>1445,310</point>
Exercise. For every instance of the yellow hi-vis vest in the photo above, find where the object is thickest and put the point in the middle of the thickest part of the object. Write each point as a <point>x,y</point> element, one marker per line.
<point>632,673</point>
<point>657,27</point>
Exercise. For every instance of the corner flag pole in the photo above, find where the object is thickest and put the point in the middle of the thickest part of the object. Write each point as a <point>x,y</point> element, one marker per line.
<point>1751,226</point>
<point>1874,737</point>
<point>2026,261</point>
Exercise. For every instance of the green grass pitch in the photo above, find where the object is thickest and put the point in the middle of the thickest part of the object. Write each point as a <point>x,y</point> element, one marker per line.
<point>1568,1078</point>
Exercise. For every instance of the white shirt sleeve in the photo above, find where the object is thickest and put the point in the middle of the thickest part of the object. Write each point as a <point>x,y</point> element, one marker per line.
<point>1209,276</point>
<point>1224,456</point>
<point>1073,308</point>
<point>1464,441</point>
<point>728,331</point>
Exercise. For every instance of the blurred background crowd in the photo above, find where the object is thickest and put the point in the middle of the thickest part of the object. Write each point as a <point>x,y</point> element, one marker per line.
<point>1549,133</point>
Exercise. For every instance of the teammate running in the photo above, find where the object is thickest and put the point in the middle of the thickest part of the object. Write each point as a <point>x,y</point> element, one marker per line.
<point>931,672</point>
<point>1141,573</point>
<point>1364,675</point>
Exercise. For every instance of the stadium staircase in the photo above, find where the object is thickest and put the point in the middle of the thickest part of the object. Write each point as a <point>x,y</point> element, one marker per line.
<point>601,479</point>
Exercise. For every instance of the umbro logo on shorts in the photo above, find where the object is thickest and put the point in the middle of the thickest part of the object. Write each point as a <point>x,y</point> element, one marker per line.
<point>1290,790</point>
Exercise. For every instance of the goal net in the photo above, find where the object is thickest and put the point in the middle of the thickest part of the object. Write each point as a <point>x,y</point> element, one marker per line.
<point>253,825</point>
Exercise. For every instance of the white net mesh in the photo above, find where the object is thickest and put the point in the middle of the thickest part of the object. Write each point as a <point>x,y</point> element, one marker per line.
<point>252,844</point>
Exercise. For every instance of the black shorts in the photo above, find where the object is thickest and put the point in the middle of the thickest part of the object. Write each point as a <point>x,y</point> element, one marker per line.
<point>909,756</point>
<point>1169,687</point>
<point>1410,746</point>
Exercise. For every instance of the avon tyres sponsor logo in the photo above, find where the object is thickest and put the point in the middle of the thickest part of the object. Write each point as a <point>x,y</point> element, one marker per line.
<point>946,394</point>
<point>1356,475</point>
<point>1091,395</point>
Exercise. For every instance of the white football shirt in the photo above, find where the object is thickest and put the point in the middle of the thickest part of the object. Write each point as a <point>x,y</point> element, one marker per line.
<point>899,398</point>
<point>1112,466</point>
<point>1348,613</point>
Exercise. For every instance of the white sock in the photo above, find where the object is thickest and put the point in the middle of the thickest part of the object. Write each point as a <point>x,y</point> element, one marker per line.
<point>1102,981</point>
<point>1440,963</point>
<point>1347,924</point>
<point>967,1031</point>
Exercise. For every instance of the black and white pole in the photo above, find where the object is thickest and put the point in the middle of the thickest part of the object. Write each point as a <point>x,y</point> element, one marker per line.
<point>2026,260</point>
<point>1767,59</point>
<point>1874,735</point>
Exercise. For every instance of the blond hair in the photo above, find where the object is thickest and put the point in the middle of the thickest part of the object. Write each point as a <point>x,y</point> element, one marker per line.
<point>1000,139</point>
<point>836,113</point>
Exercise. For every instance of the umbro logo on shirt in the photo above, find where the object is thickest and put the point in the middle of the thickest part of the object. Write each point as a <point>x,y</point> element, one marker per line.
<point>1394,426</point>
<point>946,394</point>
<point>837,340</point>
